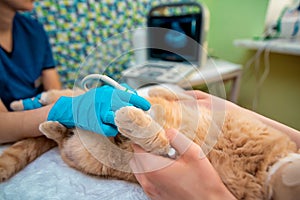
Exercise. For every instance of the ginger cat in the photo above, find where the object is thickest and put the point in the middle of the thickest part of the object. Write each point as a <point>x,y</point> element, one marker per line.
<point>250,157</point>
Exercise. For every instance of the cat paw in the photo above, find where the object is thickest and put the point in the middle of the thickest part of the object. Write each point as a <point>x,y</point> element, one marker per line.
<point>131,121</point>
<point>45,99</point>
<point>53,130</point>
<point>142,130</point>
<point>17,105</point>
<point>51,96</point>
<point>3,174</point>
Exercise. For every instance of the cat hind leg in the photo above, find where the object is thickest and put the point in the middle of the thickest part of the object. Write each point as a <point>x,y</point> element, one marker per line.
<point>54,130</point>
<point>20,154</point>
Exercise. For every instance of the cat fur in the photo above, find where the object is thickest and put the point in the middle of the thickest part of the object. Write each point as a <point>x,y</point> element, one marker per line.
<point>242,154</point>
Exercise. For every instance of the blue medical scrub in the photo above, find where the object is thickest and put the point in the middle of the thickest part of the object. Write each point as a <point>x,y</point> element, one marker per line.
<point>21,69</point>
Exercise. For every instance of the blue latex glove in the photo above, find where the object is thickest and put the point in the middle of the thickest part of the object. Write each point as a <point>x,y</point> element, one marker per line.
<point>32,103</point>
<point>95,109</point>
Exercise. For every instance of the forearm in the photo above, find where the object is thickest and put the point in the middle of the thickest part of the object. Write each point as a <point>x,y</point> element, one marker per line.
<point>210,101</point>
<point>292,133</point>
<point>19,125</point>
<point>51,79</point>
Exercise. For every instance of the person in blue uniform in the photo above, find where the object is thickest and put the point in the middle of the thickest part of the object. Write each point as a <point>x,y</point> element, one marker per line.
<point>27,66</point>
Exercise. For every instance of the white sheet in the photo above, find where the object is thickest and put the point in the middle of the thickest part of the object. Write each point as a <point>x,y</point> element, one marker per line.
<point>48,177</point>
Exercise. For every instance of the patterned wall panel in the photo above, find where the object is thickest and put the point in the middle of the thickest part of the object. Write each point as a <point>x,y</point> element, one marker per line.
<point>91,32</point>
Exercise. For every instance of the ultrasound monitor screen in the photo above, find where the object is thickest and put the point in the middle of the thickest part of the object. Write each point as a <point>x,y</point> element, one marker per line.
<point>171,42</point>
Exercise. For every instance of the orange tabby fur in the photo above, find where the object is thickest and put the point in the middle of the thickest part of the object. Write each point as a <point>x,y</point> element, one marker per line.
<point>242,154</point>
<point>20,154</point>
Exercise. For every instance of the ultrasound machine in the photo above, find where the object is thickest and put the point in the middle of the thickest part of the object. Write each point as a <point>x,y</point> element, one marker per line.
<point>175,44</point>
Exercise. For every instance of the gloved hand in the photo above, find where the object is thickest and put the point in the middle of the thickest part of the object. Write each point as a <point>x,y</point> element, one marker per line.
<point>95,109</point>
<point>32,103</point>
<point>27,104</point>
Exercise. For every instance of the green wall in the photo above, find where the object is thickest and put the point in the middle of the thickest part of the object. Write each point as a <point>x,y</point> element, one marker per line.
<point>232,19</point>
<point>280,93</point>
<point>279,96</point>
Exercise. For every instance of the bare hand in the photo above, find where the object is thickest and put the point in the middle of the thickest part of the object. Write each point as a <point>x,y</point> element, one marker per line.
<point>191,176</point>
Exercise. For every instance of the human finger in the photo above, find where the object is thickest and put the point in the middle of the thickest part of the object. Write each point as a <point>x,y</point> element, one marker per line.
<point>139,102</point>
<point>203,96</point>
<point>109,130</point>
<point>209,101</point>
<point>198,94</point>
<point>128,87</point>
<point>143,162</point>
<point>149,188</point>
<point>109,118</point>
<point>130,98</point>
<point>183,145</point>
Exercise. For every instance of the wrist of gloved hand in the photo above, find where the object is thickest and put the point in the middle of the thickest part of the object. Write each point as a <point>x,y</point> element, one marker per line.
<point>62,112</point>
<point>95,109</point>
